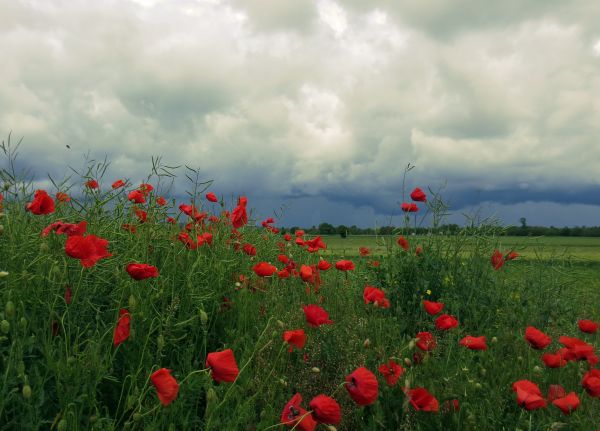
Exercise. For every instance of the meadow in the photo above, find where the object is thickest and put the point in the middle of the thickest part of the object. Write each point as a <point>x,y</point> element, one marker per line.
<point>122,308</point>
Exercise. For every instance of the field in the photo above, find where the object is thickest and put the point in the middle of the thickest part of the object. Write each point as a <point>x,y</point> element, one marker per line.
<point>122,309</point>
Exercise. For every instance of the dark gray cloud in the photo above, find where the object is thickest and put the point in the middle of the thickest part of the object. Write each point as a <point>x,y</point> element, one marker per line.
<point>318,101</point>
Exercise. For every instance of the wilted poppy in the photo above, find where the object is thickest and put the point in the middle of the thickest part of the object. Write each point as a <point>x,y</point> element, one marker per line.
<point>316,316</point>
<point>122,330</point>
<point>418,195</point>
<point>391,372</point>
<point>568,403</point>
<point>422,400</point>
<point>591,382</point>
<point>41,204</point>
<point>223,366</point>
<point>529,395</point>
<point>88,249</point>
<point>325,409</point>
<point>445,322</point>
<point>588,326</point>
<point>403,242</point>
<point>474,343</point>
<point>264,269</point>
<point>426,341</point>
<point>141,271</point>
<point>296,338</point>
<point>536,338</point>
<point>432,308</point>
<point>294,416</point>
<point>166,386</point>
<point>362,386</point>
<point>344,265</point>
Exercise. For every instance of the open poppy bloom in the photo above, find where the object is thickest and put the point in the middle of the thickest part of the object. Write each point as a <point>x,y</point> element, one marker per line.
<point>92,184</point>
<point>567,404</point>
<point>325,409</point>
<point>306,274</point>
<point>433,308</point>
<point>409,207</point>
<point>323,265</point>
<point>161,201</point>
<point>239,217</point>
<point>222,366</point>
<point>591,382</point>
<point>68,229</point>
<point>403,242</point>
<point>555,360</point>
<point>364,251</point>
<point>362,386</point>
<point>497,260</point>
<point>316,316</point>
<point>88,249</point>
<point>122,330</point>
<point>418,195</point>
<point>529,395</point>
<point>42,203</point>
<point>536,338</point>
<point>344,265</point>
<point>296,338</point>
<point>422,400</point>
<point>315,244</point>
<point>166,386</point>
<point>136,196</point>
<point>445,322</point>
<point>588,326</point>
<point>474,343</point>
<point>426,341</point>
<point>391,372</point>
<point>249,249</point>
<point>579,350</point>
<point>141,271</point>
<point>264,269</point>
<point>555,392</point>
<point>377,296</point>
<point>294,416</point>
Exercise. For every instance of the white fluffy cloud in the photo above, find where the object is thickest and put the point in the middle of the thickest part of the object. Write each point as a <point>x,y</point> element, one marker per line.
<point>323,98</point>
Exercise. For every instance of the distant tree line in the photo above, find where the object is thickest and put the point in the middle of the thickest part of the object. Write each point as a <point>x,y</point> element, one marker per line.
<point>450,229</point>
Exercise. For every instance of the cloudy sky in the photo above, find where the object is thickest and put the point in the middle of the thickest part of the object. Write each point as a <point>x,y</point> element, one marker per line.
<point>318,106</point>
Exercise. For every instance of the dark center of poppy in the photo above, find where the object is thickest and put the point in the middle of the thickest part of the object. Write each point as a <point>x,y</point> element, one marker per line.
<point>293,413</point>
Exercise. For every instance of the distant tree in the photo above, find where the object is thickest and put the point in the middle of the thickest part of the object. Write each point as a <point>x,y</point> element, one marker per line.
<point>523,221</point>
<point>326,229</point>
<point>342,231</point>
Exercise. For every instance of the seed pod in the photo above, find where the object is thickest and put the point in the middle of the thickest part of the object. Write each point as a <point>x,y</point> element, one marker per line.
<point>411,344</point>
<point>315,370</point>
<point>26,392</point>
<point>3,274</point>
<point>5,326</point>
<point>132,301</point>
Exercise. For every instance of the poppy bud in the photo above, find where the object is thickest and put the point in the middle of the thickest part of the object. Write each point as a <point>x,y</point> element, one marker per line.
<point>93,419</point>
<point>315,370</point>
<point>366,343</point>
<point>26,391</point>
<point>9,309</point>
<point>211,396</point>
<point>5,327</point>
<point>137,417</point>
<point>494,339</point>
<point>537,369</point>
<point>160,342</point>
<point>62,425</point>
<point>331,428</point>
<point>132,301</point>
<point>280,324</point>
<point>203,317</point>
<point>407,362</point>
<point>519,358</point>
<point>411,344</point>
<point>23,323</point>
<point>477,385</point>
<point>44,248</point>
<point>3,274</point>
<point>282,382</point>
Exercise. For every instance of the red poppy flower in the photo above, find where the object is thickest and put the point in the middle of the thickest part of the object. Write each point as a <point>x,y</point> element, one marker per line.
<point>555,360</point>
<point>451,406</point>
<point>315,244</point>
<point>588,326</point>
<point>249,249</point>
<point>296,338</point>
<point>433,308</point>
<point>141,271</point>
<point>68,229</point>
<point>497,260</point>
<point>92,184</point>
<point>511,255</point>
<point>403,242</point>
<point>161,201</point>
<point>426,341</point>
<point>171,220</point>
<point>325,409</point>
<point>205,238</point>
<point>122,329</point>
<point>141,215</point>
<point>88,249</point>
<point>283,258</point>
<point>264,269</point>
<point>63,197</point>
<point>41,204</point>
<point>419,250</point>
<point>391,372</point>
<point>166,386</point>
<point>137,196</point>
<point>474,343</point>
<point>117,184</point>
<point>211,197</point>
<point>418,195</point>
<point>377,296</point>
<point>529,395</point>
<point>422,400</point>
<point>223,366</point>
<point>578,350</point>
<point>323,265</point>
<point>555,392</point>
<point>344,265</point>
<point>409,207</point>
<point>145,188</point>
<point>294,416</point>
<point>287,237</point>
<point>567,404</point>
<point>306,273</point>
<point>445,322</point>
<point>284,273</point>
<point>362,386</point>
<point>591,382</point>
<point>536,338</point>
<point>375,263</point>
<point>316,316</point>
<point>364,251</point>
<point>239,217</point>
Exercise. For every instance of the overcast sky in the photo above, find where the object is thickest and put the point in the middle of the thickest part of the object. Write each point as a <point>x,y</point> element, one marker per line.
<point>318,106</point>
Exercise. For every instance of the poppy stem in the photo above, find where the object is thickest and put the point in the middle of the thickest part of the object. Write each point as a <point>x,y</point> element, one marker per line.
<point>205,370</point>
